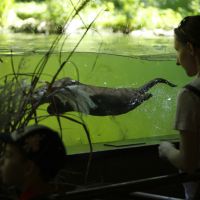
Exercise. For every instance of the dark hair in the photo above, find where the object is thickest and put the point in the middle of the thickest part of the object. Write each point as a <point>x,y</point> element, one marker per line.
<point>42,145</point>
<point>50,157</point>
<point>189,30</point>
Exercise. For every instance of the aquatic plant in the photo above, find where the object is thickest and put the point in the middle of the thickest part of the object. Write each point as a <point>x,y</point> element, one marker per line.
<point>17,109</point>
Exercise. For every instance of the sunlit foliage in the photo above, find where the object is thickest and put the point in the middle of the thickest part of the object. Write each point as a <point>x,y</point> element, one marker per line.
<point>5,6</point>
<point>120,15</point>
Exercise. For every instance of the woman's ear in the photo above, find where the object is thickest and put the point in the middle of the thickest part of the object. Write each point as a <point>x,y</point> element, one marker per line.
<point>191,48</point>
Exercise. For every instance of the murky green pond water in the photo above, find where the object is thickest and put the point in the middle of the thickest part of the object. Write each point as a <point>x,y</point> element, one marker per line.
<point>111,61</point>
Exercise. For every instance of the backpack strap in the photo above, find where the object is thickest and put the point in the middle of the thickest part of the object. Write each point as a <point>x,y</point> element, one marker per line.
<point>193,89</point>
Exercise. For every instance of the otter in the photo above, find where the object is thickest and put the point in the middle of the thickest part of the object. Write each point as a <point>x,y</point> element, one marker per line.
<point>66,95</point>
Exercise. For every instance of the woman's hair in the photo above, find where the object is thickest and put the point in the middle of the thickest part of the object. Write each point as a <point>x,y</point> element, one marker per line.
<point>189,30</point>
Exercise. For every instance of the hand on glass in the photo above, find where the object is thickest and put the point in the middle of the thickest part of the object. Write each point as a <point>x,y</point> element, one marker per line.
<point>165,148</point>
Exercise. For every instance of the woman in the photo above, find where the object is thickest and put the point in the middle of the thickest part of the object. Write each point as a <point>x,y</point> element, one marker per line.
<point>187,122</point>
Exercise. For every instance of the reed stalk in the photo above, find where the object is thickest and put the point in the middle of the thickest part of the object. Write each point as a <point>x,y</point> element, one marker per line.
<point>17,109</point>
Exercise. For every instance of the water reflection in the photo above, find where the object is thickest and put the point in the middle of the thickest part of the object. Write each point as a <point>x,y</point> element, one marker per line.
<point>117,44</point>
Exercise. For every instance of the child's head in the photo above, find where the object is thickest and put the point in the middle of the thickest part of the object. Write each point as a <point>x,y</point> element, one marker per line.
<point>34,150</point>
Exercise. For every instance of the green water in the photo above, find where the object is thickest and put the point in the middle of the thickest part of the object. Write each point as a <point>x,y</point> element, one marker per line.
<point>154,118</point>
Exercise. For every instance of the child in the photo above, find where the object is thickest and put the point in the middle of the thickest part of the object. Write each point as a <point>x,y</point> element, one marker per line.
<point>187,157</point>
<point>32,157</point>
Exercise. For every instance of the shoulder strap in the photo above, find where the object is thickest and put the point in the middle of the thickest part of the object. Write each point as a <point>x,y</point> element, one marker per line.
<point>193,89</point>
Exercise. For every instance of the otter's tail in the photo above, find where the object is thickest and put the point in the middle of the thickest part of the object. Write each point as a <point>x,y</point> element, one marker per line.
<point>153,82</point>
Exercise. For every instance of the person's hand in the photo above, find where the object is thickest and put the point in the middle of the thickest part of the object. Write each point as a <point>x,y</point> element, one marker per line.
<point>165,148</point>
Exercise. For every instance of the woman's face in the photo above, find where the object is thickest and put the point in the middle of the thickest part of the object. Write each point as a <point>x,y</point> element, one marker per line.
<point>12,166</point>
<point>185,57</point>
